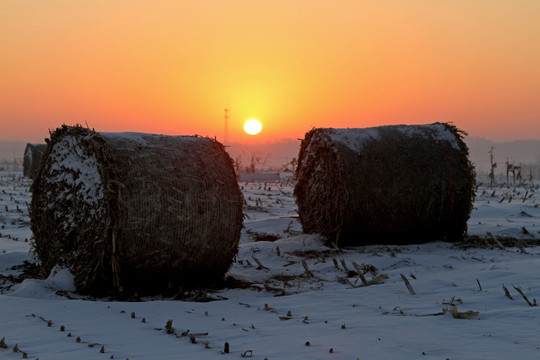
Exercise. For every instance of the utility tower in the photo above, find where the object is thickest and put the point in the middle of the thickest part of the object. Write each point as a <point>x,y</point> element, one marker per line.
<point>226,131</point>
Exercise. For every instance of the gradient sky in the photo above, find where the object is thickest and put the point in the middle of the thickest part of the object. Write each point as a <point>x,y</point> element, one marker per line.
<point>173,66</point>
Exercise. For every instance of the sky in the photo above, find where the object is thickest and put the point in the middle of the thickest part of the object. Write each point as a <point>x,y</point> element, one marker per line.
<point>173,67</point>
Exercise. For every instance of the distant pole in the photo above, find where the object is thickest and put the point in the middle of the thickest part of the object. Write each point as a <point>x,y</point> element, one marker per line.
<point>226,131</point>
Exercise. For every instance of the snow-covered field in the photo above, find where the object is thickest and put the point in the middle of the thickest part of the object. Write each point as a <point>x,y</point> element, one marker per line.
<point>293,297</point>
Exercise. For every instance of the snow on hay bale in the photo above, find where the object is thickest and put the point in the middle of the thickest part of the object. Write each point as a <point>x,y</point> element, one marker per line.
<point>32,159</point>
<point>389,184</point>
<point>137,212</point>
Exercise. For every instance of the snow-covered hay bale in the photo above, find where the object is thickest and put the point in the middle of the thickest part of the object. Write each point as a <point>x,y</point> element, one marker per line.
<point>391,184</point>
<point>32,158</point>
<point>136,212</point>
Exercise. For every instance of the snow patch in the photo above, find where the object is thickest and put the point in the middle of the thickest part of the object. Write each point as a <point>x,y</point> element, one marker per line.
<point>327,309</point>
<point>141,138</point>
<point>82,170</point>
<point>74,172</point>
<point>60,279</point>
<point>355,139</point>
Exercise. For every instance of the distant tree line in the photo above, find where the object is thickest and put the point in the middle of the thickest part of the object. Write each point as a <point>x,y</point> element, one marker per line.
<point>514,172</point>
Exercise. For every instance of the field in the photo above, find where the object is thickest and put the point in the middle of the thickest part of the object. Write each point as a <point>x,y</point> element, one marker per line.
<point>293,297</point>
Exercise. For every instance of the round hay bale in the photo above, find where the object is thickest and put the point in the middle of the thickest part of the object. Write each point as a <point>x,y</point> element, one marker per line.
<point>32,159</point>
<point>136,212</point>
<point>385,185</point>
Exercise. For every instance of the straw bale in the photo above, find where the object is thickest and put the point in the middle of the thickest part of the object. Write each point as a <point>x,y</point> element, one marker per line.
<point>390,184</point>
<point>129,212</point>
<point>32,159</point>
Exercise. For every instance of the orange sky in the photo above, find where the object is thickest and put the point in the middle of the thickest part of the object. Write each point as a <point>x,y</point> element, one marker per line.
<point>173,66</point>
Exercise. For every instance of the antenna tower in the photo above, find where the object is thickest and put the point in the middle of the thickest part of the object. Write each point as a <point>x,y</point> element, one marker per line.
<point>226,131</point>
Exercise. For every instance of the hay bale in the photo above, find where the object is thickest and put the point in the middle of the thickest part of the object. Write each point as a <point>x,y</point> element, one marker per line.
<point>32,159</point>
<point>136,212</point>
<point>390,184</point>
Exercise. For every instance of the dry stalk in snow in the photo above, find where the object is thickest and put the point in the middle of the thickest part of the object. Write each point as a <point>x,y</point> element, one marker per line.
<point>344,265</point>
<point>268,308</point>
<point>461,315</point>
<point>498,244</point>
<point>479,285</point>
<point>363,279</point>
<point>375,280</point>
<point>407,284</point>
<point>247,353</point>
<point>307,271</point>
<point>260,265</point>
<point>360,273</point>
<point>454,312</point>
<point>518,289</point>
<point>168,327</point>
<point>507,293</point>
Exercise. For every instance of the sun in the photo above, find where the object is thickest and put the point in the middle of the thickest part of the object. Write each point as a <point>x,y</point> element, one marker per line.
<point>252,127</point>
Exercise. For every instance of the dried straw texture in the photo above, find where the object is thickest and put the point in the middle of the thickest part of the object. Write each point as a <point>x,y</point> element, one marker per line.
<point>385,185</point>
<point>32,158</point>
<point>136,212</point>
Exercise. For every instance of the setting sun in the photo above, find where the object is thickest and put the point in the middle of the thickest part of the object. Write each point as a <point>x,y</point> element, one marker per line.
<point>252,127</point>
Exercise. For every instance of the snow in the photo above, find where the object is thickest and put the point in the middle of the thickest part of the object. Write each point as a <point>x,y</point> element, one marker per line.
<point>141,138</point>
<point>83,171</point>
<point>60,279</point>
<point>28,154</point>
<point>356,139</point>
<point>301,299</point>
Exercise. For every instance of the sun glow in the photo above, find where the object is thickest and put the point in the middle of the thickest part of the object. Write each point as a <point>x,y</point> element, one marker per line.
<point>252,127</point>
<point>289,68</point>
